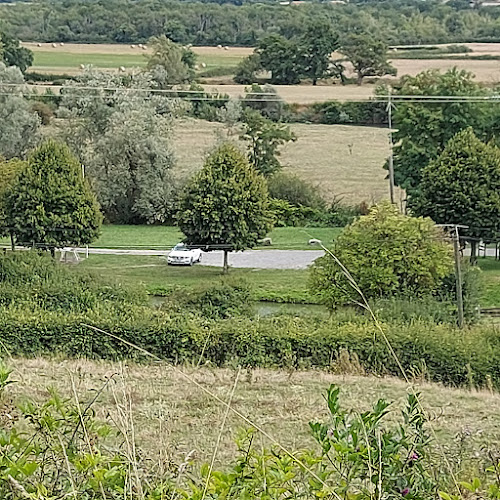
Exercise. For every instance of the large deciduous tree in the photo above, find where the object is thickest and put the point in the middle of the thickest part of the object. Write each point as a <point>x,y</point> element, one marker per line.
<point>282,57</point>
<point>462,186</point>
<point>51,205</point>
<point>13,54</point>
<point>264,137</point>
<point>122,138</point>
<point>387,254</point>
<point>424,128</point>
<point>169,62</point>
<point>226,204</point>
<point>19,125</point>
<point>317,43</point>
<point>9,170</point>
<point>368,56</point>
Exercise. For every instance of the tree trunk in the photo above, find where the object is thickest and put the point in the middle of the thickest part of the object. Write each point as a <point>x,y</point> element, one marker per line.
<point>359,80</point>
<point>12,244</point>
<point>53,252</point>
<point>315,81</point>
<point>225,267</point>
<point>473,252</point>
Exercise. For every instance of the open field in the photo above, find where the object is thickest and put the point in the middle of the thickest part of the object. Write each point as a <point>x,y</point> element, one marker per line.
<point>165,237</point>
<point>169,416</point>
<point>342,160</point>
<point>68,58</point>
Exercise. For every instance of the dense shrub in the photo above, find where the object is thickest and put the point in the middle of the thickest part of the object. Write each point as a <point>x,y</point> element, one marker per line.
<point>32,280</point>
<point>288,215</point>
<point>387,255</point>
<point>336,112</point>
<point>44,111</point>
<point>228,298</point>
<point>291,188</point>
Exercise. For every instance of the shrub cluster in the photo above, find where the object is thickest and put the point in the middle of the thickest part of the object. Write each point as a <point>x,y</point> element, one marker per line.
<point>448,355</point>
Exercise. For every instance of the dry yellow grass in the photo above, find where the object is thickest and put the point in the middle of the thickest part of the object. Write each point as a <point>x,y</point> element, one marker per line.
<point>485,71</point>
<point>305,94</point>
<point>345,161</point>
<point>171,416</point>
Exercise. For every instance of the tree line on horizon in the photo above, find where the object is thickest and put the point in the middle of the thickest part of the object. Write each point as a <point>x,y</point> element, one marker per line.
<point>208,23</point>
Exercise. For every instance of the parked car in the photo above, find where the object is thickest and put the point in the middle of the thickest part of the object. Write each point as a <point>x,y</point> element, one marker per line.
<point>184,256</point>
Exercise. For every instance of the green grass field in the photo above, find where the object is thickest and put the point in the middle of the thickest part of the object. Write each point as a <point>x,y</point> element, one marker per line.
<point>159,278</point>
<point>67,60</point>
<point>63,60</point>
<point>165,237</point>
<point>491,282</point>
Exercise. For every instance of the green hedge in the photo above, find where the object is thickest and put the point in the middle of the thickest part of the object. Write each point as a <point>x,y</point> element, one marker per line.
<point>449,356</point>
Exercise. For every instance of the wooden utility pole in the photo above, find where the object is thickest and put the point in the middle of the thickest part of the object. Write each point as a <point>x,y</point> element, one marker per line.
<point>455,236</point>
<point>458,277</point>
<point>391,158</point>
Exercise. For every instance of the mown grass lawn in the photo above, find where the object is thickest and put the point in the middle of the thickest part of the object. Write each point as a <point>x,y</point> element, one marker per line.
<point>490,296</point>
<point>159,278</point>
<point>165,237</point>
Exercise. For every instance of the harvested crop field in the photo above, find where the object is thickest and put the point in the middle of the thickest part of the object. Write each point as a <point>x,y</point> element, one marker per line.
<point>344,161</point>
<point>68,58</point>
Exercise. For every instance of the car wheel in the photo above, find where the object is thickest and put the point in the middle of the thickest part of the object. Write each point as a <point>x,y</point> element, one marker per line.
<point>199,258</point>
<point>191,262</point>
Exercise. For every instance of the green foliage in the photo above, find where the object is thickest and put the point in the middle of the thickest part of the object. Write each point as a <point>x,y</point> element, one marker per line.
<point>424,129</point>
<point>462,186</point>
<point>368,55</point>
<point>44,111</point>
<point>169,62</point>
<point>247,70</point>
<point>12,54</point>
<point>450,356</point>
<point>266,100</point>
<point>58,448</point>
<point>387,254</point>
<point>226,203</point>
<point>335,112</point>
<point>281,57</point>
<point>8,173</point>
<point>20,125</point>
<point>287,214</point>
<point>243,23</point>
<point>295,190</point>
<point>51,204</point>
<point>122,138</point>
<point>317,43</point>
<point>264,137</point>
<point>229,298</point>
<point>31,281</point>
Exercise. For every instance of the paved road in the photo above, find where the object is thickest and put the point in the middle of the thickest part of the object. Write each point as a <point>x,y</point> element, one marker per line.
<point>258,259</point>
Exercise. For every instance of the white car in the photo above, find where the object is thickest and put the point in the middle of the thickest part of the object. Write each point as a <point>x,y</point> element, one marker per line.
<point>184,256</point>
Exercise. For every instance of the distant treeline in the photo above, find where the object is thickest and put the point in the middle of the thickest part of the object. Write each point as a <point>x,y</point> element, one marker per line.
<point>243,22</point>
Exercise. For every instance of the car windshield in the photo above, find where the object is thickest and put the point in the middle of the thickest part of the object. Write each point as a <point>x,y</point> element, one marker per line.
<point>181,248</point>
